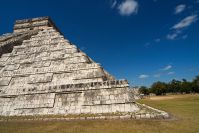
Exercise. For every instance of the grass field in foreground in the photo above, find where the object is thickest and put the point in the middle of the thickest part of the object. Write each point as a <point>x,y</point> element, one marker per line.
<point>185,109</point>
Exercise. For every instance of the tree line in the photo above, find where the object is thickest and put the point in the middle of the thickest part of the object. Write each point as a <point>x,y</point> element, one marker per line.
<point>174,86</point>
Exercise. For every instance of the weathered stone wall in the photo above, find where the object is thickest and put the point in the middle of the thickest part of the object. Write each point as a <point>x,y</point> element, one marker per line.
<point>73,102</point>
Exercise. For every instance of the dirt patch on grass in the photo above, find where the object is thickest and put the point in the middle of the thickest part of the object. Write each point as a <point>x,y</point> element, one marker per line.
<point>169,97</point>
<point>162,97</point>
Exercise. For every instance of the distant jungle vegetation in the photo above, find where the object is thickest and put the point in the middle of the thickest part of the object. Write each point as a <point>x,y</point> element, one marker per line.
<point>174,86</point>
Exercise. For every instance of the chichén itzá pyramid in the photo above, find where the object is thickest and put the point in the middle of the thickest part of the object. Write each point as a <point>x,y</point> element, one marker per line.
<point>42,73</point>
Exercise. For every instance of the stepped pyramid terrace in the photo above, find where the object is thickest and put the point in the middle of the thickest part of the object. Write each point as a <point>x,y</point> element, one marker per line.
<point>42,73</point>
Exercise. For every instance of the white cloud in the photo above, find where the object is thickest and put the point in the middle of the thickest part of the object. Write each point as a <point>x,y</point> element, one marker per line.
<point>185,22</point>
<point>167,68</point>
<point>180,8</point>
<point>147,44</point>
<point>143,76</point>
<point>128,7</point>
<point>157,40</point>
<point>157,75</point>
<point>171,73</point>
<point>172,36</point>
<point>178,28</point>
<point>184,36</point>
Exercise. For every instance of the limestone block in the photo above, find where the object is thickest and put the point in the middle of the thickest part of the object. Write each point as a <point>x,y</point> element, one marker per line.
<point>17,59</point>
<point>2,64</point>
<point>97,102</point>
<point>3,59</point>
<point>5,81</point>
<point>94,109</point>
<point>86,109</point>
<point>27,61</point>
<point>112,97</point>
<point>99,108</point>
<point>134,107</point>
<point>127,108</point>
<point>115,108</point>
<point>12,67</point>
<point>23,72</point>
<point>57,54</point>
<point>18,81</point>
<point>31,101</point>
<point>74,60</point>
<point>62,78</point>
<point>6,73</point>
<point>41,64</point>
<point>36,50</point>
<point>57,41</point>
<point>109,102</point>
<point>22,50</point>
<point>90,73</point>
<point>77,81</point>
<point>65,46</point>
<point>39,56</point>
<point>40,78</point>
<point>24,66</point>
<point>6,55</point>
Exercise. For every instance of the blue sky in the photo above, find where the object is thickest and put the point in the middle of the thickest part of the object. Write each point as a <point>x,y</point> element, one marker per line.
<point>140,40</point>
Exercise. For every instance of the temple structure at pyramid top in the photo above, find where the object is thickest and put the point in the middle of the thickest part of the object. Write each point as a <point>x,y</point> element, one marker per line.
<point>42,73</point>
<point>34,24</point>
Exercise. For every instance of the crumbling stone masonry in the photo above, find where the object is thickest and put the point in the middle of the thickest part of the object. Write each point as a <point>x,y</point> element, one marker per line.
<point>42,73</point>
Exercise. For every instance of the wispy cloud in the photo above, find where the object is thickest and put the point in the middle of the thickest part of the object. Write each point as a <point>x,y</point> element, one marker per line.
<point>143,76</point>
<point>157,40</point>
<point>157,75</point>
<point>128,7</point>
<point>172,36</point>
<point>171,73</point>
<point>185,22</point>
<point>184,36</point>
<point>113,3</point>
<point>180,8</point>
<point>147,44</point>
<point>168,67</point>
<point>178,27</point>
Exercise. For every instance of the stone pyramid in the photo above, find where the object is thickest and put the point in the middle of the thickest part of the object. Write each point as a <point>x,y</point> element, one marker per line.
<point>42,73</point>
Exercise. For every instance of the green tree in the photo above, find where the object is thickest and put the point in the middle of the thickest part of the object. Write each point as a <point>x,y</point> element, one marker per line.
<point>159,88</point>
<point>174,86</point>
<point>195,84</point>
<point>144,90</point>
<point>185,86</point>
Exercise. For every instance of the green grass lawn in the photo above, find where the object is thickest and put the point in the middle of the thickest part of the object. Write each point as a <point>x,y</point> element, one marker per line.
<point>184,108</point>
